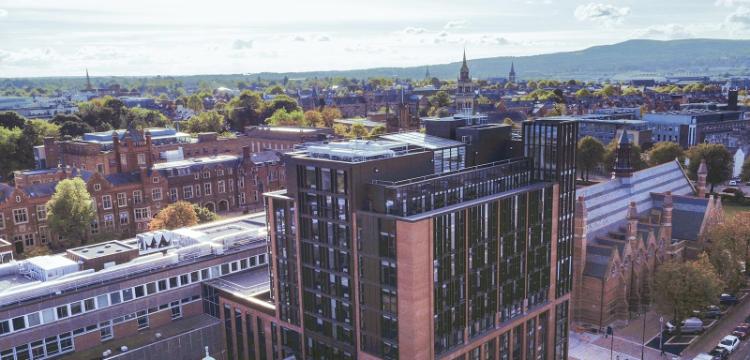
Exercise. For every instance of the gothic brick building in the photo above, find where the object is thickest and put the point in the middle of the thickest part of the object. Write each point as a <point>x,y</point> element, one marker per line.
<point>625,227</point>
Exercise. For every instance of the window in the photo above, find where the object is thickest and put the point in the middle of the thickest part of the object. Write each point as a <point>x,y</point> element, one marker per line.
<point>108,221</point>
<point>155,179</point>
<point>97,187</point>
<point>28,239</point>
<point>4,327</point>
<point>33,319</point>
<point>231,185</point>
<point>20,216</point>
<point>106,202</point>
<point>89,304</point>
<point>115,298</point>
<point>173,194</point>
<point>41,212</point>
<point>137,197</point>
<point>122,200</point>
<point>242,198</point>
<point>100,168</point>
<point>124,218</point>
<point>176,312</point>
<point>102,301</point>
<point>18,199</point>
<point>43,234</point>
<point>206,174</point>
<point>220,172</point>
<point>127,294</point>
<point>76,308</point>
<point>140,291</point>
<point>62,312</point>
<point>198,190</point>
<point>221,187</point>
<point>162,284</point>
<point>197,176</point>
<point>105,330</point>
<point>173,282</point>
<point>142,320</point>
<point>241,182</point>
<point>142,214</point>
<point>151,288</point>
<point>19,323</point>
<point>156,194</point>
<point>187,192</point>
<point>207,188</point>
<point>2,221</point>
<point>141,159</point>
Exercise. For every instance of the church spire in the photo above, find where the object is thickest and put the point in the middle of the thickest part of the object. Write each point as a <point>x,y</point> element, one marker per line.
<point>427,72</point>
<point>512,74</point>
<point>88,80</point>
<point>464,76</point>
<point>623,167</point>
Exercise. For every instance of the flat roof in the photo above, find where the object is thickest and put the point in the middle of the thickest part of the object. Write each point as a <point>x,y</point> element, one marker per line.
<point>101,249</point>
<point>194,161</point>
<point>363,121</point>
<point>423,140</point>
<point>48,262</point>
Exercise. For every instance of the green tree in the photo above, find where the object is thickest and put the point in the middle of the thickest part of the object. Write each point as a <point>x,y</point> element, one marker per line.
<point>358,131</point>
<point>664,152</point>
<point>144,118</point>
<point>44,129</point>
<point>718,161</point>
<point>10,119</point>
<point>283,118</point>
<point>590,155</point>
<point>60,119</point>
<point>282,102</point>
<point>204,215</point>
<point>75,129</point>
<point>9,161</point>
<point>275,90</point>
<point>70,213</point>
<point>177,215</point>
<point>440,99</point>
<point>209,121</point>
<point>685,286</point>
<point>245,109</point>
<point>194,103</point>
<point>377,131</point>
<point>583,93</point>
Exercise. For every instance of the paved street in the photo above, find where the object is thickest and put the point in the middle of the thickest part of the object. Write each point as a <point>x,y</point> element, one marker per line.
<point>734,316</point>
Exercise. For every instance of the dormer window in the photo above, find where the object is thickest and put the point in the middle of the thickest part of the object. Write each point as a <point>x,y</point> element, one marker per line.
<point>155,180</point>
<point>97,187</point>
<point>18,198</point>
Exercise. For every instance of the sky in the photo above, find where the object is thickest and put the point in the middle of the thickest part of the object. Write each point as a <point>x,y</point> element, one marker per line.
<point>168,37</point>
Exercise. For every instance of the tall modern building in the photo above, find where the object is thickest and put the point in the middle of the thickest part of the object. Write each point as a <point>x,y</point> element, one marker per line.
<point>377,253</point>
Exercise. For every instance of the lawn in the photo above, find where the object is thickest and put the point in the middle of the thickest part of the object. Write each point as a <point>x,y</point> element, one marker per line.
<point>731,208</point>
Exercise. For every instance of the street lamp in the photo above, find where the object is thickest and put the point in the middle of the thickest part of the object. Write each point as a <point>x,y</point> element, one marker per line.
<point>661,334</point>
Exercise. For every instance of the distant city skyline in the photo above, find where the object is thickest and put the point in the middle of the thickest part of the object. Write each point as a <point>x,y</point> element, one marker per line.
<point>52,38</point>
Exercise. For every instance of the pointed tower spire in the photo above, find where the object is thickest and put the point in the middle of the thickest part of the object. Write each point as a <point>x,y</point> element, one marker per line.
<point>512,74</point>
<point>464,74</point>
<point>427,72</point>
<point>623,168</point>
<point>88,80</point>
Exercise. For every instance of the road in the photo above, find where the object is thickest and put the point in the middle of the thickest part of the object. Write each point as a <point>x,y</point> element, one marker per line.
<point>729,321</point>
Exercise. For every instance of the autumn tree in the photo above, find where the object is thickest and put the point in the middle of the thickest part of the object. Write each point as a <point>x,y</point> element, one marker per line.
<point>664,152</point>
<point>681,287</point>
<point>314,118</point>
<point>177,215</point>
<point>590,155</point>
<point>329,115</point>
<point>718,162</point>
<point>284,118</point>
<point>728,250</point>
<point>70,213</point>
<point>377,131</point>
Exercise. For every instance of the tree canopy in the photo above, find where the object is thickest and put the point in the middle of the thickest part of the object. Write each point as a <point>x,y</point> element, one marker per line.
<point>208,121</point>
<point>177,215</point>
<point>590,155</point>
<point>664,152</point>
<point>718,162</point>
<point>245,109</point>
<point>70,213</point>
<point>728,251</point>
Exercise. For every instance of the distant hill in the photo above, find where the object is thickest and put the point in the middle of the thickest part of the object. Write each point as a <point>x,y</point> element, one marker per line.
<point>705,56</point>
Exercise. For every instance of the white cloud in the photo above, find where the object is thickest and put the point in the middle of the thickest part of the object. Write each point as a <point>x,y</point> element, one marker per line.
<point>455,24</point>
<point>323,38</point>
<point>602,13</point>
<point>731,3</point>
<point>414,30</point>
<point>299,38</point>
<point>665,32</point>
<point>739,19</point>
<point>3,13</point>
<point>493,40</point>
<point>242,44</point>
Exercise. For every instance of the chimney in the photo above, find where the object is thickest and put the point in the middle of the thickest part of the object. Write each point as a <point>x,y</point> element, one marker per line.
<point>116,150</point>
<point>700,186</point>
<point>246,153</point>
<point>666,217</point>
<point>732,100</point>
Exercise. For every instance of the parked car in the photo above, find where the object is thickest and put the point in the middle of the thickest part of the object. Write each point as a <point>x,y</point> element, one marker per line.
<point>730,342</point>
<point>691,325</point>
<point>727,299</point>
<point>733,182</point>
<point>710,312</point>
<point>719,353</point>
<point>742,331</point>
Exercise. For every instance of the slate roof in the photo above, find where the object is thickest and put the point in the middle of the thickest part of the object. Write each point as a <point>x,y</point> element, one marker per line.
<point>264,157</point>
<point>124,178</point>
<point>5,191</point>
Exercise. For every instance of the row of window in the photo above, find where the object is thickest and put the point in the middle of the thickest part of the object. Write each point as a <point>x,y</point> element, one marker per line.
<point>50,315</point>
<point>21,215</point>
